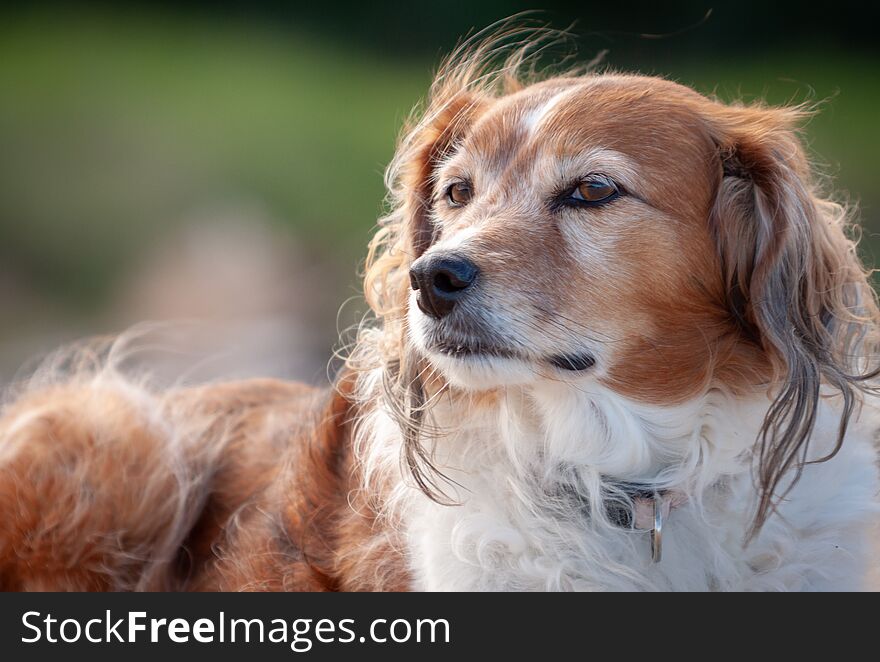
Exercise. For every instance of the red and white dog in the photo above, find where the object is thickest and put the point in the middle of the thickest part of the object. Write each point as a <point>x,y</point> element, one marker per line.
<point>623,342</point>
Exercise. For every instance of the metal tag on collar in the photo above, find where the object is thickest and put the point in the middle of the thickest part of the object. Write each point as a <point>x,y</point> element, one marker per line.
<point>657,531</point>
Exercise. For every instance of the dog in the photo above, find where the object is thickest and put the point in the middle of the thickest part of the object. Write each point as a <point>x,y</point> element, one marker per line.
<point>622,341</point>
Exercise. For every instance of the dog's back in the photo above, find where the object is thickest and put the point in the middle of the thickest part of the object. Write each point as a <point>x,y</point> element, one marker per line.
<point>107,486</point>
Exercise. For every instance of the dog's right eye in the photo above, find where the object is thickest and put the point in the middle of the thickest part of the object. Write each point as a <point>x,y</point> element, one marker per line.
<point>459,194</point>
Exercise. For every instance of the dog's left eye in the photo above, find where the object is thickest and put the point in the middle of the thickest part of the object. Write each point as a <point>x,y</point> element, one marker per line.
<point>594,190</point>
<point>459,194</point>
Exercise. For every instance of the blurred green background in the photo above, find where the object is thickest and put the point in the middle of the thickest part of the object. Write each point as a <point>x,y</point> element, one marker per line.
<point>223,160</point>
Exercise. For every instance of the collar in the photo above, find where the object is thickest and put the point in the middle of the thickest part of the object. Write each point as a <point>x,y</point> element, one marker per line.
<point>650,508</point>
<point>644,509</point>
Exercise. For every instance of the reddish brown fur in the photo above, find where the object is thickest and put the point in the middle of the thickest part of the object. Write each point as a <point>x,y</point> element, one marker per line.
<point>273,511</point>
<point>255,485</point>
<point>730,267</point>
<point>678,332</point>
<point>72,498</point>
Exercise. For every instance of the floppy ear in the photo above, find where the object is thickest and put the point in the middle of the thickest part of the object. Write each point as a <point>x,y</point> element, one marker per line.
<point>404,234</point>
<point>408,230</point>
<point>422,151</point>
<point>795,286</point>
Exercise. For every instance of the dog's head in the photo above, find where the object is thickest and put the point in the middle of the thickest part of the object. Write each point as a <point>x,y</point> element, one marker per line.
<point>622,229</point>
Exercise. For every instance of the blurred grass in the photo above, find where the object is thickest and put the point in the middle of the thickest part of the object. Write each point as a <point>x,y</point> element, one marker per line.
<point>116,126</point>
<point>113,128</point>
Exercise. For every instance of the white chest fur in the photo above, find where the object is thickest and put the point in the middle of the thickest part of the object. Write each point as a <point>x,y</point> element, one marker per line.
<point>514,531</point>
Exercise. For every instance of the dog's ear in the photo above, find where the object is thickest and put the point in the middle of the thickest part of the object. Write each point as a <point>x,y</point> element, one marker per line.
<point>404,234</point>
<point>408,229</point>
<point>421,152</point>
<point>795,285</point>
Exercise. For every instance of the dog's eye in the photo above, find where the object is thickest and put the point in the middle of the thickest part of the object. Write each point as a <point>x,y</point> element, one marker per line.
<point>459,194</point>
<point>595,190</point>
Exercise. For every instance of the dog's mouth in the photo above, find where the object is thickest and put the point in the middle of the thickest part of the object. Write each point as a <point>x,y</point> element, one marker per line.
<point>463,349</point>
<point>572,362</point>
<point>476,349</point>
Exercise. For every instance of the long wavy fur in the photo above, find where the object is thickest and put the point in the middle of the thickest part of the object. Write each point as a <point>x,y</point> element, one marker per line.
<point>795,282</point>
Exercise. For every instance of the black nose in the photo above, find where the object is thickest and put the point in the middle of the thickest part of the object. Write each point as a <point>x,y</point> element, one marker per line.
<point>441,280</point>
